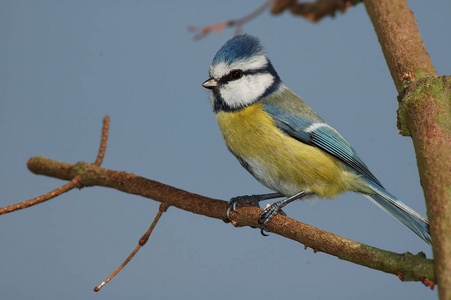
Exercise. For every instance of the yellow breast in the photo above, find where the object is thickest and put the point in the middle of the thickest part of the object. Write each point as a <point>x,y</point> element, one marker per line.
<point>279,161</point>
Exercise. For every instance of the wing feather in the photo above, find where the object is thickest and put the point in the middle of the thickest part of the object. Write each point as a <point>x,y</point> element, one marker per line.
<point>319,134</point>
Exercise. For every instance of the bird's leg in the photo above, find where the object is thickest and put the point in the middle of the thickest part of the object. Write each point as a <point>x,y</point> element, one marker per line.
<point>249,199</point>
<point>271,211</point>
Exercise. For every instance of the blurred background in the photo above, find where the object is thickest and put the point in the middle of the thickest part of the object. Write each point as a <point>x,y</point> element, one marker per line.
<point>67,64</point>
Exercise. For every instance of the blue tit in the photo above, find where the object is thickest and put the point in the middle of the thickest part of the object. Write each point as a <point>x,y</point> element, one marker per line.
<point>283,143</point>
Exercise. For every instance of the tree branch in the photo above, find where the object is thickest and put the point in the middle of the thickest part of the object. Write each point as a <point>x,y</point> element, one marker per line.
<point>400,39</point>
<point>73,183</point>
<point>406,266</point>
<point>425,114</point>
<point>313,11</point>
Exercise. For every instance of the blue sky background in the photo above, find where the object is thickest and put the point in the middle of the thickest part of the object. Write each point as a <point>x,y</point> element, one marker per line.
<point>66,64</point>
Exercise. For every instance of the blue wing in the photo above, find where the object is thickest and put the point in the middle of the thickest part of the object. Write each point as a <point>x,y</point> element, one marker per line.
<point>321,135</point>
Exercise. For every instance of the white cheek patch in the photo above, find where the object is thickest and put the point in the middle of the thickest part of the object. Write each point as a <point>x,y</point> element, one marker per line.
<point>246,90</point>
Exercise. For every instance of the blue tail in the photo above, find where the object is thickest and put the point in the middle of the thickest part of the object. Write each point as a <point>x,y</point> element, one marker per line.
<point>413,220</point>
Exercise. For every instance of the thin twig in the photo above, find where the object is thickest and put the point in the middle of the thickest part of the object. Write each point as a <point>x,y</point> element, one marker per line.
<point>75,182</point>
<point>142,241</point>
<point>312,11</point>
<point>203,31</point>
<point>103,141</point>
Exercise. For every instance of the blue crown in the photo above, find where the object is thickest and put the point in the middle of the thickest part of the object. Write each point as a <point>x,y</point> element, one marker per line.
<point>239,47</point>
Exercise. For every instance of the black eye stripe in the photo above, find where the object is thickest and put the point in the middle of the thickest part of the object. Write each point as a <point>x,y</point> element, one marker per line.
<point>255,71</point>
<point>226,78</point>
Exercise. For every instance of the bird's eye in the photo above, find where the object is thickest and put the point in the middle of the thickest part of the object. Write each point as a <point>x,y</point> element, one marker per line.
<point>235,74</point>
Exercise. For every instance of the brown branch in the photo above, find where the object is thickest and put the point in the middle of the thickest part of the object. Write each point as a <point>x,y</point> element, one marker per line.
<point>406,266</point>
<point>425,114</point>
<point>400,39</point>
<point>74,182</point>
<point>313,11</point>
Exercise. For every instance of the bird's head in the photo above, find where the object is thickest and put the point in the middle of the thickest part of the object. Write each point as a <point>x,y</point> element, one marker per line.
<point>240,74</point>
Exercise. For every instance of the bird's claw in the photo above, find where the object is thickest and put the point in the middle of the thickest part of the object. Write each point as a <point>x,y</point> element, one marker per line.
<point>248,199</point>
<point>267,215</point>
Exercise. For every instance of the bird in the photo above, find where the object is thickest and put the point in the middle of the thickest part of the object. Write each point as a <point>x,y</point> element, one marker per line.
<point>283,143</point>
